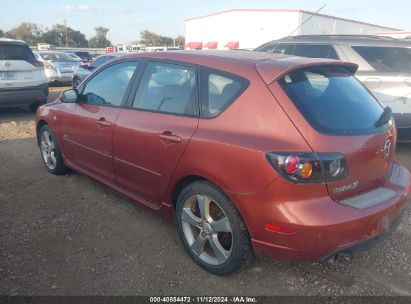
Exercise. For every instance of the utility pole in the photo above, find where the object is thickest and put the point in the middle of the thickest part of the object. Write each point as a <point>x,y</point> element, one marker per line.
<point>65,29</point>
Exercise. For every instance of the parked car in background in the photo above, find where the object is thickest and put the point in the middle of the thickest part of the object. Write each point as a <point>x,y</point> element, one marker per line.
<point>85,56</point>
<point>74,56</point>
<point>384,66</point>
<point>45,47</point>
<point>84,70</point>
<point>22,78</point>
<point>59,66</point>
<point>285,157</point>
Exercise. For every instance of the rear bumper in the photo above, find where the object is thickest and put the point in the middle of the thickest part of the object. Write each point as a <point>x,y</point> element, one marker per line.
<point>57,76</point>
<point>365,245</point>
<point>23,96</point>
<point>320,226</point>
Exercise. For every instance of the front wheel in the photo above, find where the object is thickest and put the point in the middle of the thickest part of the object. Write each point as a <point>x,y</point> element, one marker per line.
<point>212,231</point>
<point>50,151</point>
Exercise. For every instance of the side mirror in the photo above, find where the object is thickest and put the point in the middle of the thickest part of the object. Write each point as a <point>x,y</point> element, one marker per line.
<point>69,96</point>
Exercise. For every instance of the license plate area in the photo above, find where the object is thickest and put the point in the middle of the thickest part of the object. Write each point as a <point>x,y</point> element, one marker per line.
<point>66,69</point>
<point>7,76</point>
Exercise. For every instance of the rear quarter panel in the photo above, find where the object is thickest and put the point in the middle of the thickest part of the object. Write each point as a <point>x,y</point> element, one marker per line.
<point>229,150</point>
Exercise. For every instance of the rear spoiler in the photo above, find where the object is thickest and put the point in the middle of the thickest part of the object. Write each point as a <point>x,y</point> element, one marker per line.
<point>273,69</point>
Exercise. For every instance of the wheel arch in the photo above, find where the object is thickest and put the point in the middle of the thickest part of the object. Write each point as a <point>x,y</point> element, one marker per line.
<point>39,125</point>
<point>181,184</point>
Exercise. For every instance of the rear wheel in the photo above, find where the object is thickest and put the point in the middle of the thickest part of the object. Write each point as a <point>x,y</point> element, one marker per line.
<point>50,151</point>
<point>211,229</point>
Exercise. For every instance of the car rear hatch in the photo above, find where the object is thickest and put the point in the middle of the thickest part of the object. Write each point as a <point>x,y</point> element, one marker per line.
<point>336,114</point>
<point>17,65</point>
<point>65,66</point>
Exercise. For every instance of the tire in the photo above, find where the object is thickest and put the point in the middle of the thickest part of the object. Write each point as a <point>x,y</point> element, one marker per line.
<point>217,240</point>
<point>50,152</point>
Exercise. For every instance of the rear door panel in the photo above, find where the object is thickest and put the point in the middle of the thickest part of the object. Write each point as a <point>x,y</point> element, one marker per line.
<point>143,161</point>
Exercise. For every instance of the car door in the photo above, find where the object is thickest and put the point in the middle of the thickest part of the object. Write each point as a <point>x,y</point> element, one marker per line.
<point>87,129</point>
<point>152,134</point>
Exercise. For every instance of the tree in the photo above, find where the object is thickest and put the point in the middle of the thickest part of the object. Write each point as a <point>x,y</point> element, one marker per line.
<point>28,32</point>
<point>101,31</point>
<point>149,38</point>
<point>100,40</point>
<point>2,34</point>
<point>180,40</point>
<point>57,36</point>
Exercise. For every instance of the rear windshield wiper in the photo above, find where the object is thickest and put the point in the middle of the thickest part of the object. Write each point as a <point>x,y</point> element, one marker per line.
<point>384,118</point>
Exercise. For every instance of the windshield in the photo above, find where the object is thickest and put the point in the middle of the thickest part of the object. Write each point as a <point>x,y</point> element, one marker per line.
<point>10,51</point>
<point>84,55</point>
<point>386,59</point>
<point>333,101</point>
<point>56,56</point>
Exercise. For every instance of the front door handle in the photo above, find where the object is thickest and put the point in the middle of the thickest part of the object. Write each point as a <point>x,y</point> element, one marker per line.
<point>170,137</point>
<point>103,123</point>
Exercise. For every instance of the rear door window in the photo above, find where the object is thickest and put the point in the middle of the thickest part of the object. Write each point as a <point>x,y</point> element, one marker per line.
<point>333,101</point>
<point>315,51</point>
<point>10,51</point>
<point>386,59</point>
<point>167,88</point>
<point>218,91</point>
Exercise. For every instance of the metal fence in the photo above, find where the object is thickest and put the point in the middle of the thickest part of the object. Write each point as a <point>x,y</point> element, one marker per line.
<point>92,51</point>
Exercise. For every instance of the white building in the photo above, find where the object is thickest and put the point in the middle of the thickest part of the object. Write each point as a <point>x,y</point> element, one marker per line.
<point>249,28</point>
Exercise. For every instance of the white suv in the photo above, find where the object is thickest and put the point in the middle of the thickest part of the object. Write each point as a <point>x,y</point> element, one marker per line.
<point>22,77</point>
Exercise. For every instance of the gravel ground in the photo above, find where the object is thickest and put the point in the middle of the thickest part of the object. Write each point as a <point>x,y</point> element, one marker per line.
<point>69,235</point>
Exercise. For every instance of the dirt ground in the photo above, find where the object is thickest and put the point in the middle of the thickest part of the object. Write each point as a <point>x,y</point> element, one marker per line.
<point>69,235</point>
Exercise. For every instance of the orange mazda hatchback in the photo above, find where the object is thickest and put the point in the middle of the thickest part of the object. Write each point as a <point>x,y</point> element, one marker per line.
<point>250,153</point>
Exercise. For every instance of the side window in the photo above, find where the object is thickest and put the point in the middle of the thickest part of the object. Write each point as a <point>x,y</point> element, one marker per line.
<point>219,90</point>
<point>269,48</point>
<point>284,49</point>
<point>99,61</point>
<point>108,86</point>
<point>167,88</point>
<point>315,51</point>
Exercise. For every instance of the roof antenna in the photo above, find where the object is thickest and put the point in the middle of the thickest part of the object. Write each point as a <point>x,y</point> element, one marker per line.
<point>307,19</point>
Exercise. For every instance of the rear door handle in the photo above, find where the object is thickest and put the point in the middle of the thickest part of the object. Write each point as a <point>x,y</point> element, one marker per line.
<point>103,123</point>
<point>170,137</point>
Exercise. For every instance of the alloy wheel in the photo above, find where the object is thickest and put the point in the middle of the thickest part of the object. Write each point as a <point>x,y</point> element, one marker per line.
<point>48,150</point>
<point>207,229</point>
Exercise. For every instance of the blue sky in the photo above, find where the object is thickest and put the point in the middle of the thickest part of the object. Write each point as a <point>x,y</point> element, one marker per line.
<point>126,18</point>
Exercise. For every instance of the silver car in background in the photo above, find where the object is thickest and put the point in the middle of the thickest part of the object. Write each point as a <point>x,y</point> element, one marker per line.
<point>384,66</point>
<point>74,56</point>
<point>85,70</point>
<point>59,66</point>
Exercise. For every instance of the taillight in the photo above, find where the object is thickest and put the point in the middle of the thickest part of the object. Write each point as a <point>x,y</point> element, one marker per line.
<point>309,167</point>
<point>47,65</point>
<point>35,62</point>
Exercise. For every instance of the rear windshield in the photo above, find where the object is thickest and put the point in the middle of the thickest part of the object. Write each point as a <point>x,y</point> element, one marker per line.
<point>84,55</point>
<point>386,59</point>
<point>333,101</point>
<point>56,56</point>
<point>15,52</point>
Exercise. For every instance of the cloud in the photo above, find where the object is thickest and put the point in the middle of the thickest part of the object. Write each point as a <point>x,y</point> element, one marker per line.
<point>111,8</point>
<point>114,8</point>
<point>77,8</point>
